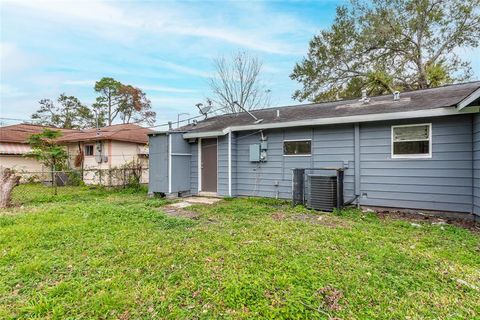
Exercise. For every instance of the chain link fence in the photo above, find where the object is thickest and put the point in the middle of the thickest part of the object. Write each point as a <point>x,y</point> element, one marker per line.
<point>62,182</point>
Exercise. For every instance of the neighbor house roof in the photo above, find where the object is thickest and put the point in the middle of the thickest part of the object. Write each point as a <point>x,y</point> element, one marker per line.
<point>120,132</point>
<point>19,133</point>
<point>420,103</point>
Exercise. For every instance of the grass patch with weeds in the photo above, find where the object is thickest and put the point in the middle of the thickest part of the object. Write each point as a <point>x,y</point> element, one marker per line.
<point>94,253</point>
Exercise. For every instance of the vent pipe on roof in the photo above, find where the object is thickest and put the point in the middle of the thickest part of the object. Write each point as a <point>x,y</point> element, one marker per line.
<point>396,96</point>
<point>278,113</point>
<point>365,98</point>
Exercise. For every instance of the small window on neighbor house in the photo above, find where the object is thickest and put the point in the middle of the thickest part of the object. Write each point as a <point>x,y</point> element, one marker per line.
<point>89,150</point>
<point>297,148</point>
<point>412,141</point>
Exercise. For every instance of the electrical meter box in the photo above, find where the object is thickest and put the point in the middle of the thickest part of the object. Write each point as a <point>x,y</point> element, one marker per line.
<point>254,153</point>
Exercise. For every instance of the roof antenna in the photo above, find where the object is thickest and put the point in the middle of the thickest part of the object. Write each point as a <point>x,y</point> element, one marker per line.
<point>204,110</point>
<point>257,121</point>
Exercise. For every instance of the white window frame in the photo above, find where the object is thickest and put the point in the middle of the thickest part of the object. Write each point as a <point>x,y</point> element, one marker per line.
<point>85,149</point>
<point>413,156</point>
<point>297,155</point>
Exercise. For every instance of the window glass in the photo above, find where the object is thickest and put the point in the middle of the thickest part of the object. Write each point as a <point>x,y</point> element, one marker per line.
<point>291,148</point>
<point>89,150</point>
<point>411,133</point>
<point>411,140</point>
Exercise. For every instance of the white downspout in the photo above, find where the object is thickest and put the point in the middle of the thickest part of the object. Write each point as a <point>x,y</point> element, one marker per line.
<point>230,163</point>
<point>199,162</point>
<point>169,163</point>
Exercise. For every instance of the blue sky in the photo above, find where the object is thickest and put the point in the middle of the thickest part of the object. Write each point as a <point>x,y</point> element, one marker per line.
<point>166,48</point>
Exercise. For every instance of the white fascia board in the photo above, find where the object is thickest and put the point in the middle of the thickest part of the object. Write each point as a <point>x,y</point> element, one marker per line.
<point>206,134</point>
<point>353,119</point>
<point>472,97</point>
<point>169,163</point>
<point>437,112</point>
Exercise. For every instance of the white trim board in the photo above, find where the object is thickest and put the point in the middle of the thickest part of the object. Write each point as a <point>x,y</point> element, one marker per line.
<point>472,97</point>
<point>437,112</point>
<point>199,144</point>
<point>169,163</point>
<point>293,140</point>
<point>229,163</point>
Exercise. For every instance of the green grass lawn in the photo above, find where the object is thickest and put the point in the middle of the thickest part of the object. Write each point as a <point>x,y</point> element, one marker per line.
<point>103,254</point>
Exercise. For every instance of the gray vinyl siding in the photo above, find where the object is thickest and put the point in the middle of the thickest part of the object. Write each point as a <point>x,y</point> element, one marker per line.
<point>331,146</point>
<point>234,164</point>
<point>443,182</point>
<point>158,164</point>
<point>194,169</point>
<point>222,166</point>
<point>262,179</point>
<point>449,181</point>
<point>181,163</point>
<point>334,146</point>
<point>476,164</point>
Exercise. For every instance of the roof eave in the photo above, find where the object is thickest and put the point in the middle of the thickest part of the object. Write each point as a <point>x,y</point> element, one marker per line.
<point>102,138</point>
<point>469,99</point>
<point>437,112</point>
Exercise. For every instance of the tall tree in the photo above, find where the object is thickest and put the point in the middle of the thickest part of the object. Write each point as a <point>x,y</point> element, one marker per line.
<point>68,113</point>
<point>135,106</point>
<point>384,45</point>
<point>237,80</point>
<point>126,102</point>
<point>109,99</point>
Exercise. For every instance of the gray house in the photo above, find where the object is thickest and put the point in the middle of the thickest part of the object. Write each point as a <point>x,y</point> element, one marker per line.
<point>418,150</point>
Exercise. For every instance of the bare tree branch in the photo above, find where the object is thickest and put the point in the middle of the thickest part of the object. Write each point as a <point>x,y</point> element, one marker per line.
<point>238,80</point>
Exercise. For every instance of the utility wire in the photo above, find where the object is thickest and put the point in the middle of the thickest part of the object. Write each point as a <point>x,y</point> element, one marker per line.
<point>132,129</point>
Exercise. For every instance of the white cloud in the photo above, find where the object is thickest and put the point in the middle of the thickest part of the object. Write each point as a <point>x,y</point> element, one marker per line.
<point>166,89</point>
<point>162,47</point>
<point>181,68</point>
<point>89,83</point>
<point>14,60</point>
<point>8,91</point>
<point>105,18</point>
<point>174,102</point>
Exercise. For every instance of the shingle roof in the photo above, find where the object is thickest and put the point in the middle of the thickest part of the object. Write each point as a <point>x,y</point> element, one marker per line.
<point>19,133</point>
<point>120,132</point>
<point>440,97</point>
